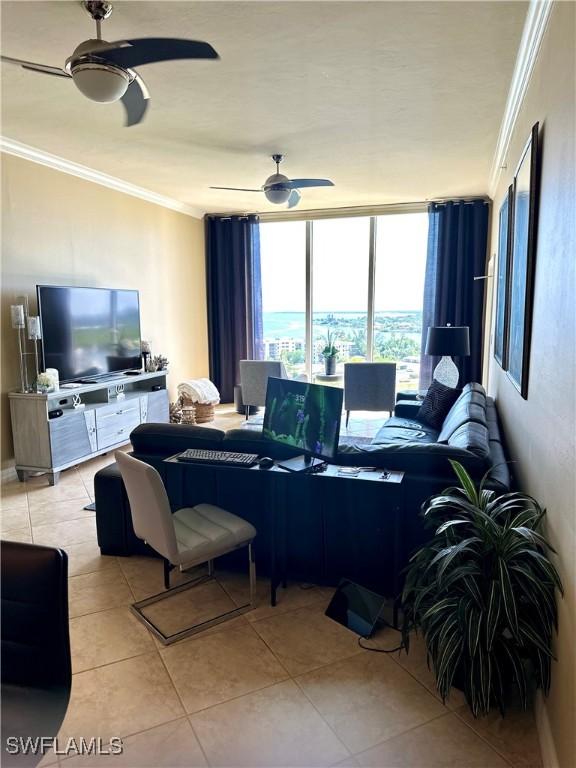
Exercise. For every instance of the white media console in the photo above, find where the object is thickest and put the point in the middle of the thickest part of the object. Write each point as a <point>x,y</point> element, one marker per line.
<point>102,423</point>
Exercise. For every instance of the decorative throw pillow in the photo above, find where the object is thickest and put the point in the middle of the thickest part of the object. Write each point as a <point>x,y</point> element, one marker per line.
<point>435,406</point>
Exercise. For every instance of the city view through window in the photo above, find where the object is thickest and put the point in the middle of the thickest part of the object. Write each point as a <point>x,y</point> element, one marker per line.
<point>340,266</point>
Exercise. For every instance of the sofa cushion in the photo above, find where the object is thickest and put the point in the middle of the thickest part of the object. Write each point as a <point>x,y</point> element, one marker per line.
<point>462,411</point>
<point>474,386</point>
<point>435,406</point>
<point>407,408</point>
<point>168,439</point>
<point>472,437</point>
<point>397,429</point>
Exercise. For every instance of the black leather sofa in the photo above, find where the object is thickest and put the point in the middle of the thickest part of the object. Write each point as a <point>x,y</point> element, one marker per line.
<point>470,434</point>
<point>36,663</point>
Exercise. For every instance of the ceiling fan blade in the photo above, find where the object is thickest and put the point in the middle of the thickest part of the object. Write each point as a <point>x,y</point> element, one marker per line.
<point>303,183</point>
<point>45,69</point>
<point>237,189</point>
<point>147,50</point>
<point>135,100</point>
<point>294,198</point>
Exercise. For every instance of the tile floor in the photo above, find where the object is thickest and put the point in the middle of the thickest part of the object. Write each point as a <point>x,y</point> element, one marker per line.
<point>275,687</point>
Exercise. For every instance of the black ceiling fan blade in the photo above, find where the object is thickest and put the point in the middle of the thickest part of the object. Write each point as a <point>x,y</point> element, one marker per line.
<point>294,198</point>
<point>135,101</point>
<point>44,69</point>
<point>237,189</point>
<point>147,50</point>
<point>303,183</point>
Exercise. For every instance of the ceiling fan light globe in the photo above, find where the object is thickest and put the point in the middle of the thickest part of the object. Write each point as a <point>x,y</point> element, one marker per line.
<point>100,82</point>
<point>275,195</point>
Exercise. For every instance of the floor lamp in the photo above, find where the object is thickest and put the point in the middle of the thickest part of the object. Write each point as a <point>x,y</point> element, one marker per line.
<point>447,341</point>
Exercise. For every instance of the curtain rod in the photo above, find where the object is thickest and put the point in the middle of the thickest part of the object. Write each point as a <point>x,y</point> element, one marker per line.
<point>360,210</point>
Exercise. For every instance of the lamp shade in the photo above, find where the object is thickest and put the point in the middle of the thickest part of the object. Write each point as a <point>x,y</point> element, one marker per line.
<point>451,340</point>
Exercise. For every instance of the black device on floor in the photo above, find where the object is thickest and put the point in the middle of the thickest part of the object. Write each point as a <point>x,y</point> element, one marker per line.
<point>201,456</point>
<point>356,607</point>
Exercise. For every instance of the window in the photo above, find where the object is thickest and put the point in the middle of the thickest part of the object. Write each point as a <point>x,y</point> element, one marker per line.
<point>340,251</point>
<point>283,269</point>
<point>401,243</point>
<point>364,279</point>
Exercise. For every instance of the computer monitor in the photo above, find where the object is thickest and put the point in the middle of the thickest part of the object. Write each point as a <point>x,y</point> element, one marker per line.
<point>304,416</point>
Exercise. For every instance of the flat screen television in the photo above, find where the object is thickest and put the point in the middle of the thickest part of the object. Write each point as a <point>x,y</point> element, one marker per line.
<point>89,333</point>
<point>304,416</point>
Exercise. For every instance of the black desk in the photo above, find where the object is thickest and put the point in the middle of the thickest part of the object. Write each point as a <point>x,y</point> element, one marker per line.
<point>320,527</point>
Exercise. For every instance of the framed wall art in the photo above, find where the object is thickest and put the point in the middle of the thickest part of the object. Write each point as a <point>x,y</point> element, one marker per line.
<point>523,262</point>
<point>501,325</point>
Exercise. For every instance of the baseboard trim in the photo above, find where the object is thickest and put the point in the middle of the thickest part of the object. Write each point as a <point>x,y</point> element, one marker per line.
<point>547,746</point>
<point>8,472</point>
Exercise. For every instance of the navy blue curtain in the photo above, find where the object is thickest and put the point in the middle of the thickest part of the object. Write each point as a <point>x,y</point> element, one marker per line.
<point>457,242</point>
<point>234,292</point>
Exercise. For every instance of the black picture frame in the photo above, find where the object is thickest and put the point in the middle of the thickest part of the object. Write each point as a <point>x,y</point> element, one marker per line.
<point>502,316</point>
<point>523,263</point>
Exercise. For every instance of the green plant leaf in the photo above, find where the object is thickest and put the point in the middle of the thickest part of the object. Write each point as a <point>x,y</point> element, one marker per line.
<point>450,524</point>
<point>508,598</point>
<point>532,536</point>
<point>473,631</point>
<point>528,633</point>
<point>493,615</point>
<point>448,554</point>
<point>517,667</point>
<point>545,566</point>
<point>466,481</point>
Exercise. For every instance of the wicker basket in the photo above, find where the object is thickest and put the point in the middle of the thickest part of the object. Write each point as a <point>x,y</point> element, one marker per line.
<point>204,412</point>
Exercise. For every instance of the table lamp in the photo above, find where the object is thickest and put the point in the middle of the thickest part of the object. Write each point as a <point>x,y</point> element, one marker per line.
<point>446,341</point>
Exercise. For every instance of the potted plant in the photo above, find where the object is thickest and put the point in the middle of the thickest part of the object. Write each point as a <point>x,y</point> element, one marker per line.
<point>482,592</point>
<point>330,353</point>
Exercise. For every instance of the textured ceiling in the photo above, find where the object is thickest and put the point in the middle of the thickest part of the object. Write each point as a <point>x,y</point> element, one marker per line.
<point>394,101</point>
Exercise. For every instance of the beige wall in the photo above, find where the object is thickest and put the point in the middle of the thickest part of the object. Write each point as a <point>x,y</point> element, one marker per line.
<point>541,431</point>
<point>63,230</point>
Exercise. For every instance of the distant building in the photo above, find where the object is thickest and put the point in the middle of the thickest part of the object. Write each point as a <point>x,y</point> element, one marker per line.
<point>273,348</point>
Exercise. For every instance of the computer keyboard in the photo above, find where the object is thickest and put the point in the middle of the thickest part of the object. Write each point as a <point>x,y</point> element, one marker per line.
<point>201,456</point>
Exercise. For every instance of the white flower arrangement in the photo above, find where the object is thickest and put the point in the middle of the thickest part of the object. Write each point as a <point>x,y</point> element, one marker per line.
<point>44,382</point>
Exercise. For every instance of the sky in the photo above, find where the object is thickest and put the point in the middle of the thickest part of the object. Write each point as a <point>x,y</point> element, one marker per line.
<point>340,264</point>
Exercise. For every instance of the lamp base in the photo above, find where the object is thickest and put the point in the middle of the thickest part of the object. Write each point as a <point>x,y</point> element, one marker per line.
<point>447,373</point>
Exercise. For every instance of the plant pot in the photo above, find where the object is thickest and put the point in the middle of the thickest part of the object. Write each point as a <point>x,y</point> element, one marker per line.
<point>330,365</point>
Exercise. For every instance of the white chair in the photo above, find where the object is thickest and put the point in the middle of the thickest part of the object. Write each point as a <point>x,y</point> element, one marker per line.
<point>189,537</point>
<point>254,375</point>
<point>369,387</point>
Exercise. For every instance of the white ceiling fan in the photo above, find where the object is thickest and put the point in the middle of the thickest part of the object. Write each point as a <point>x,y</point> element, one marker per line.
<point>279,189</point>
<point>104,71</point>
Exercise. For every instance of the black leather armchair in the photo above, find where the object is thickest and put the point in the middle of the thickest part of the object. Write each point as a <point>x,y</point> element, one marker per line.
<point>36,666</point>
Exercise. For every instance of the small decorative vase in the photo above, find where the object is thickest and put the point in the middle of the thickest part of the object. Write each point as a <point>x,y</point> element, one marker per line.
<point>330,365</point>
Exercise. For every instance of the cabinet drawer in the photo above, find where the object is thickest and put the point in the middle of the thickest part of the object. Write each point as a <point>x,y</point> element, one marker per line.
<point>110,414</point>
<point>117,429</point>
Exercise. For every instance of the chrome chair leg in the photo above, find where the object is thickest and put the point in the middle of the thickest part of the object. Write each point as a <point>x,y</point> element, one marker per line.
<point>252,567</point>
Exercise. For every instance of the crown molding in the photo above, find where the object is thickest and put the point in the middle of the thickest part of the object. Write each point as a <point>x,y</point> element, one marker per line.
<point>532,34</point>
<point>12,147</point>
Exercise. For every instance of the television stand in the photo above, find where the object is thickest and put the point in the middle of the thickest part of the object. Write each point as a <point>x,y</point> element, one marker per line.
<point>103,424</point>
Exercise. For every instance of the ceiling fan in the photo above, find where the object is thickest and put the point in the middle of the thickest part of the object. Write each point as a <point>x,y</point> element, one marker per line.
<point>280,189</point>
<point>104,71</point>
